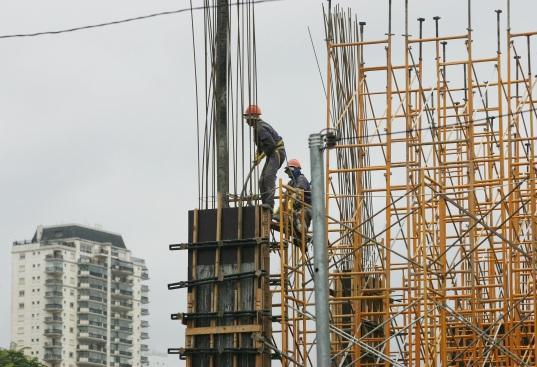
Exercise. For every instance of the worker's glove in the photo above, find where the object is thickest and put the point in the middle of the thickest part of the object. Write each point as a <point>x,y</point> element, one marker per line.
<point>258,157</point>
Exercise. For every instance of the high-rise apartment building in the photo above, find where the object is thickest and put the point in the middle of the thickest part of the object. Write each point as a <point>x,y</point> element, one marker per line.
<point>79,299</point>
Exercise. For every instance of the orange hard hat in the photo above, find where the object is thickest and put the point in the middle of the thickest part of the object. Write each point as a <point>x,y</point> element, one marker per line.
<point>252,110</point>
<point>294,163</point>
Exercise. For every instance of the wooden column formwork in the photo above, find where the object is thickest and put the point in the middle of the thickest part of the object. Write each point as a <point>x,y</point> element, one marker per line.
<point>228,321</point>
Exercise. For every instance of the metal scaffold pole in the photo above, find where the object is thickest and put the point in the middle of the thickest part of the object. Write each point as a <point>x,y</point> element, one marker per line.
<point>320,253</point>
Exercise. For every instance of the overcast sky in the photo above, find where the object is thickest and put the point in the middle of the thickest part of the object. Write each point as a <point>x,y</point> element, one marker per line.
<point>98,126</point>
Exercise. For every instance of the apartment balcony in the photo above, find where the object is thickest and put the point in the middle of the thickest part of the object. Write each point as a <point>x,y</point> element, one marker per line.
<point>121,305</point>
<point>52,294</point>
<point>52,357</point>
<point>94,272</point>
<point>120,267</point>
<point>123,280</point>
<point>91,358</point>
<point>144,360</point>
<point>91,362</point>
<point>145,312</point>
<point>97,348</point>
<point>122,318</point>
<point>91,310</point>
<point>123,328</point>
<point>144,336</point>
<point>54,257</point>
<point>86,320</point>
<point>144,348</point>
<point>54,282</point>
<point>53,331</point>
<point>121,353</point>
<point>53,353</point>
<point>124,341</point>
<point>53,320</point>
<point>145,275</point>
<point>91,336</point>
<point>145,288</point>
<point>145,300</point>
<point>145,323</point>
<point>54,269</point>
<point>53,306</point>
<point>121,293</point>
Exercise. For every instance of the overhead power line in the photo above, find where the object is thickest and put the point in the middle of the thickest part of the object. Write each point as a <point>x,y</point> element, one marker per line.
<point>127,20</point>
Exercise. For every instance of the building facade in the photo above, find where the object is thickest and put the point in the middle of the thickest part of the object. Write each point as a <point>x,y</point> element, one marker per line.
<point>79,299</point>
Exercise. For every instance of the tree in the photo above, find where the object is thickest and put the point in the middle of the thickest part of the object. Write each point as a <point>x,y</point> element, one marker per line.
<point>16,358</point>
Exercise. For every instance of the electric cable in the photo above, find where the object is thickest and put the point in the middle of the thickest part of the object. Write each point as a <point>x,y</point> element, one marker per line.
<point>126,20</point>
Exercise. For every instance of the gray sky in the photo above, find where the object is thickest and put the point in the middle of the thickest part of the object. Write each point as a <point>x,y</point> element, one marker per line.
<point>98,126</point>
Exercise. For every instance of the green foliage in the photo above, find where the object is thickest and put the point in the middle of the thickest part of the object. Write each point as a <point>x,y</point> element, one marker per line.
<point>16,358</point>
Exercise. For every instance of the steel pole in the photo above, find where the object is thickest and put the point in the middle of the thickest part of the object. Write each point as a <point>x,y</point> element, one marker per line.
<point>320,251</point>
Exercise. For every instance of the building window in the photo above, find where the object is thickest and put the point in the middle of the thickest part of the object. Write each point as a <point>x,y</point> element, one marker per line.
<point>21,293</point>
<point>21,267</point>
<point>21,281</point>
<point>22,256</point>
<point>21,306</point>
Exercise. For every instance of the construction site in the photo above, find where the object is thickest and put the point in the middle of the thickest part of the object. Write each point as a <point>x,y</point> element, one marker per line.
<point>423,244</point>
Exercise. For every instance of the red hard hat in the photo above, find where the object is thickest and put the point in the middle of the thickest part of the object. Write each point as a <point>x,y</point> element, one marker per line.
<point>253,109</point>
<point>294,163</point>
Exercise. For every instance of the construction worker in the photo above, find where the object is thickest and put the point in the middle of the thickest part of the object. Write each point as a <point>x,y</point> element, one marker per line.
<point>300,182</point>
<point>270,145</point>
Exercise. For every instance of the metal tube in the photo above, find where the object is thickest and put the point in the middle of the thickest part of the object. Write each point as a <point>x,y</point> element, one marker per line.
<point>320,251</point>
<point>421,20</point>
<point>389,17</point>
<point>498,12</point>
<point>509,15</point>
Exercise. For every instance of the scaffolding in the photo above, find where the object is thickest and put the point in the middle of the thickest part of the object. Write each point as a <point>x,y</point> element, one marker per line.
<point>431,202</point>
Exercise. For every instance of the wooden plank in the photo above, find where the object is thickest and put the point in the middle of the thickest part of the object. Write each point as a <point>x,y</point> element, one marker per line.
<point>227,329</point>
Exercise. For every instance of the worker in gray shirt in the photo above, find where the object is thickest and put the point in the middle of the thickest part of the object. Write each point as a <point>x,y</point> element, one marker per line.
<point>270,145</point>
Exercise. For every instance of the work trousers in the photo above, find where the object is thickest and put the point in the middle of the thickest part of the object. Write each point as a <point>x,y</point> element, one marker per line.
<point>267,180</point>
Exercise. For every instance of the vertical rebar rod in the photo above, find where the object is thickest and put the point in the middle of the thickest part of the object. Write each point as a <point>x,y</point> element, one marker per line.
<point>320,251</point>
